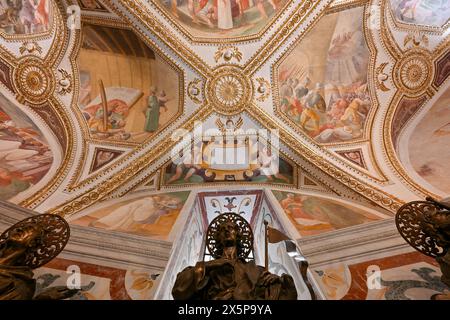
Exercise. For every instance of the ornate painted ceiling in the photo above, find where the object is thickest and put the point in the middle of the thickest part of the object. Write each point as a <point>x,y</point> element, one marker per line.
<point>356,90</point>
<point>104,105</point>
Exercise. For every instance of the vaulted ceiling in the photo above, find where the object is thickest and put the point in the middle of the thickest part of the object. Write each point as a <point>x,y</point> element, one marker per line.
<point>355,91</point>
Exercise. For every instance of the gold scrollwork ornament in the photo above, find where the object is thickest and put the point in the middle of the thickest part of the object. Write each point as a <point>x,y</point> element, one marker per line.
<point>30,47</point>
<point>382,77</point>
<point>64,82</point>
<point>228,53</point>
<point>263,89</point>
<point>194,91</point>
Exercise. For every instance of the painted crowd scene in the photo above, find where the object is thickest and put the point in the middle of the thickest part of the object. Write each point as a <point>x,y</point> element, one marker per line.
<point>24,16</point>
<point>228,18</point>
<point>323,80</point>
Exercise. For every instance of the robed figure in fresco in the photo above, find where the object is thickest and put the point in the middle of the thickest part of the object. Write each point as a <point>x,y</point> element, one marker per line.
<point>153,110</point>
<point>229,276</point>
<point>28,245</point>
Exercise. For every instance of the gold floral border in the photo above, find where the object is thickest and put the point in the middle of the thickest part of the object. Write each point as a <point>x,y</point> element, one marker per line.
<point>146,18</point>
<point>373,194</point>
<point>337,6</point>
<point>276,40</point>
<point>290,159</point>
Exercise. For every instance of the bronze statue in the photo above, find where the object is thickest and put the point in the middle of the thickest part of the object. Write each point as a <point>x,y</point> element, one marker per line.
<point>425,225</point>
<point>28,245</point>
<point>229,276</point>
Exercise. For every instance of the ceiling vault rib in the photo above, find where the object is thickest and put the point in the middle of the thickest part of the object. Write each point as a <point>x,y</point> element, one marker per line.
<point>88,198</point>
<point>98,192</point>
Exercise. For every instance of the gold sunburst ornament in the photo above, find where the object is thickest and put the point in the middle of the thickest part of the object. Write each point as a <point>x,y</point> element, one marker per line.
<point>413,72</point>
<point>229,90</point>
<point>34,82</point>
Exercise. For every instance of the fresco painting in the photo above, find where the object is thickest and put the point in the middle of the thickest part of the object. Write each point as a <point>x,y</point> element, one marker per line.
<point>217,161</point>
<point>91,287</point>
<point>142,284</point>
<point>409,276</point>
<point>428,145</point>
<point>424,12</point>
<point>334,281</point>
<point>151,215</point>
<point>25,156</point>
<point>313,215</point>
<point>19,17</point>
<point>127,92</point>
<point>224,18</point>
<point>322,82</point>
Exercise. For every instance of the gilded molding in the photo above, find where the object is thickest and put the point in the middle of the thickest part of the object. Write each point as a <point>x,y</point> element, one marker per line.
<point>297,18</point>
<point>145,17</point>
<point>374,101</point>
<point>97,193</point>
<point>229,88</point>
<point>383,199</point>
<point>75,183</point>
<point>212,40</point>
<point>412,74</point>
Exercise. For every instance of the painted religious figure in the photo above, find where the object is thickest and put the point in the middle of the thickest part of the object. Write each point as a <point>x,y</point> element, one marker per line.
<point>24,16</point>
<point>227,18</point>
<point>152,215</point>
<point>127,93</point>
<point>323,80</point>
<point>217,161</point>
<point>313,215</point>
<point>425,12</point>
<point>152,114</point>
<point>25,156</point>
